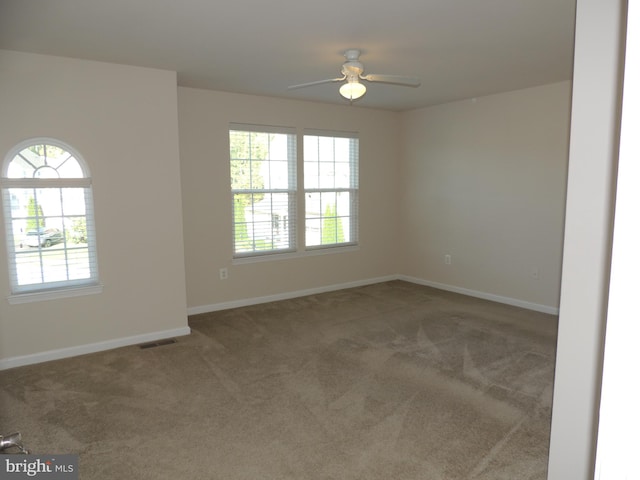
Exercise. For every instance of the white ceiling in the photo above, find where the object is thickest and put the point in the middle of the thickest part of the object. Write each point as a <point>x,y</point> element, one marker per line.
<point>459,48</point>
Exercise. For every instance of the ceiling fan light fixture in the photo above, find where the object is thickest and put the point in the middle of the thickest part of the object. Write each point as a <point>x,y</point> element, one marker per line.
<point>352,90</point>
<point>353,71</point>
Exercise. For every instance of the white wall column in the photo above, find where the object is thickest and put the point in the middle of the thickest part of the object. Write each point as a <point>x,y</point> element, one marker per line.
<point>587,242</point>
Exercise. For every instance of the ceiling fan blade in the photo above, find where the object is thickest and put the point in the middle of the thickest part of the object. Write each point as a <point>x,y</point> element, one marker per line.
<point>329,80</point>
<point>394,79</point>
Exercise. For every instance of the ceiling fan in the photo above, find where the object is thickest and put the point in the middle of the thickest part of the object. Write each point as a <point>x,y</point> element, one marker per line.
<point>352,72</point>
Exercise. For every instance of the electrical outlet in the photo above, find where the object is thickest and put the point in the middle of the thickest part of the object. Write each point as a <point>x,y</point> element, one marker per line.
<point>535,273</point>
<point>224,274</point>
<point>447,259</point>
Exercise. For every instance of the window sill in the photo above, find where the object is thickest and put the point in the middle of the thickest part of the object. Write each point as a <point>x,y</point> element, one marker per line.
<point>312,251</point>
<point>30,297</point>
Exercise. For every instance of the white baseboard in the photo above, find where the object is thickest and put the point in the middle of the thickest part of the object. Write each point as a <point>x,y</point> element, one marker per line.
<point>485,296</point>
<point>22,360</point>
<point>13,362</point>
<point>285,296</point>
<point>312,291</point>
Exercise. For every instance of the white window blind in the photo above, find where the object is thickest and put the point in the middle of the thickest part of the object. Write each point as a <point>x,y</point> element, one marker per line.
<point>330,189</point>
<point>263,186</point>
<point>49,223</point>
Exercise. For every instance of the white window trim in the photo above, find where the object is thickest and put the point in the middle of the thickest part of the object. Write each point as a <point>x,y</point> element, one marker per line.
<point>66,289</point>
<point>308,252</point>
<point>292,192</point>
<point>299,248</point>
<point>354,190</point>
<point>53,294</point>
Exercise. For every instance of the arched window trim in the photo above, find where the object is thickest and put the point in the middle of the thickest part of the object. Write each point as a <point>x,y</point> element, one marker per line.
<point>45,289</point>
<point>44,141</point>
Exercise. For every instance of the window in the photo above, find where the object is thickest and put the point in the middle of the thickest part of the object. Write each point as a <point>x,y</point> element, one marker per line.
<point>331,189</point>
<point>263,186</point>
<point>48,211</point>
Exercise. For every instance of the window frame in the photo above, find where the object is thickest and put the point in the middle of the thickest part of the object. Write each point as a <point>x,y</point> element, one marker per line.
<point>291,191</point>
<point>45,290</point>
<point>297,222</point>
<point>352,189</point>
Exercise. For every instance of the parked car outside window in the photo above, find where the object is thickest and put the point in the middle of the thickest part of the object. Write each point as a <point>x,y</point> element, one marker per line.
<point>43,237</point>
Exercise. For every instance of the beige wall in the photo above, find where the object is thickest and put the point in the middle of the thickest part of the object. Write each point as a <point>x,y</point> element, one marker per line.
<point>123,121</point>
<point>204,152</point>
<point>484,181</point>
<point>481,181</point>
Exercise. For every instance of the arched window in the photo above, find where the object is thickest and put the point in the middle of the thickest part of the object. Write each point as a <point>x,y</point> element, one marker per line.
<point>48,211</point>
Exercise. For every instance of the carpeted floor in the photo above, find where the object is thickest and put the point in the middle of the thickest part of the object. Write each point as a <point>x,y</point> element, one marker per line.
<point>388,381</point>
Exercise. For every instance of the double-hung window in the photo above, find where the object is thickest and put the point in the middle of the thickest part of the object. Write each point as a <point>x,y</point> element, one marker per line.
<point>331,189</point>
<point>264,163</point>
<point>49,226</point>
<point>263,187</point>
